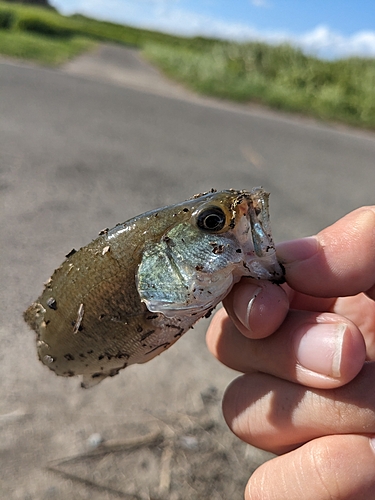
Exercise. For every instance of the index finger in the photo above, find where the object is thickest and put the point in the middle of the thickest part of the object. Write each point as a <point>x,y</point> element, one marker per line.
<point>338,261</point>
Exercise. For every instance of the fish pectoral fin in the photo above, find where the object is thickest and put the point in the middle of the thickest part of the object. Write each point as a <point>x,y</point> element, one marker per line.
<point>92,379</point>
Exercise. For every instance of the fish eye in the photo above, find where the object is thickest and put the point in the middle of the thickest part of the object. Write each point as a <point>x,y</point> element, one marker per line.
<point>212,219</point>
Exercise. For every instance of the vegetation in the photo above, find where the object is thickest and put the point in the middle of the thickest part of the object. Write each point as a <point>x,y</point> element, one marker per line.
<point>43,3</point>
<point>281,77</point>
<point>39,34</point>
<point>35,48</point>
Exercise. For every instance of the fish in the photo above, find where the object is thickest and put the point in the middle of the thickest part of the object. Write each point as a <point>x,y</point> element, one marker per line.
<point>137,288</point>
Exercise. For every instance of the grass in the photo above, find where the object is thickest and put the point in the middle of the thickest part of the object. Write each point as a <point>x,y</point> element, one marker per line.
<point>18,40</point>
<point>41,49</point>
<point>281,77</point>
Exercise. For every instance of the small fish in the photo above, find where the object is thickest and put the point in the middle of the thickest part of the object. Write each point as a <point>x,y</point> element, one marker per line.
<point>137,288</point>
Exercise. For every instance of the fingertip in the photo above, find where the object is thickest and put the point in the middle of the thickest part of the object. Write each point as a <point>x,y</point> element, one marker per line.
<point>257,309</point>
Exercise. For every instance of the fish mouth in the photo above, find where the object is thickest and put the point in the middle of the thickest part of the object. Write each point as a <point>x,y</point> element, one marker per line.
<point>259,249</point>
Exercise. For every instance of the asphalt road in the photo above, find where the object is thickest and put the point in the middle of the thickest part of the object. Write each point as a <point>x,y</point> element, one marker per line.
<point>90,145</point>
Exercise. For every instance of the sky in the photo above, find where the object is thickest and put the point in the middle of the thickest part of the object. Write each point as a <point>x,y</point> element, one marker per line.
<point>326,28</point>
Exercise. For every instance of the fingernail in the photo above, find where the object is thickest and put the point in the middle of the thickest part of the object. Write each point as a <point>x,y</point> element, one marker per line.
<point>243,301</point>
<point>372,443</point>
<point>301,249</point>
<point>319,348</point>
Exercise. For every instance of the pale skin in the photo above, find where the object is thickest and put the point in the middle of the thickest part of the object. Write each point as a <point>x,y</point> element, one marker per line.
<point>307,351</point>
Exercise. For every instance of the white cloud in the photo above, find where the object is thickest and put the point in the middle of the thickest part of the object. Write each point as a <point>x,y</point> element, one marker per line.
<point>166,15</point>
<point>323,41</point>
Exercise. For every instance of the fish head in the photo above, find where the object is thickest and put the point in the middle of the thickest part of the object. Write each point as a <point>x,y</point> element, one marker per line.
<point>217,238</point>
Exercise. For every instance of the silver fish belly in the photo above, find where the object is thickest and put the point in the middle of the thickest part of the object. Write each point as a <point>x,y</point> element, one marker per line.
<point>136,289</point>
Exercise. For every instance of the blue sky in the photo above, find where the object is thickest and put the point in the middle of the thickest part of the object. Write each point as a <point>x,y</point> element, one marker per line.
<point>328,28</point>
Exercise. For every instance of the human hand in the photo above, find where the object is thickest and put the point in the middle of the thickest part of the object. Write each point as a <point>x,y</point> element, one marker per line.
<point>306,350</point>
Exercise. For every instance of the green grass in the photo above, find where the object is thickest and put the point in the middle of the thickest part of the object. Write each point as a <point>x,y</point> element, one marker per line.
<point>42,49</point>
<point>280,77</point>
<point>18,40</point>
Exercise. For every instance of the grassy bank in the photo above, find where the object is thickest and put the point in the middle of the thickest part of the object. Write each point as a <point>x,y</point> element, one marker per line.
<point>32,47</point>
<point>280,77</point>
<point>19,39</point>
